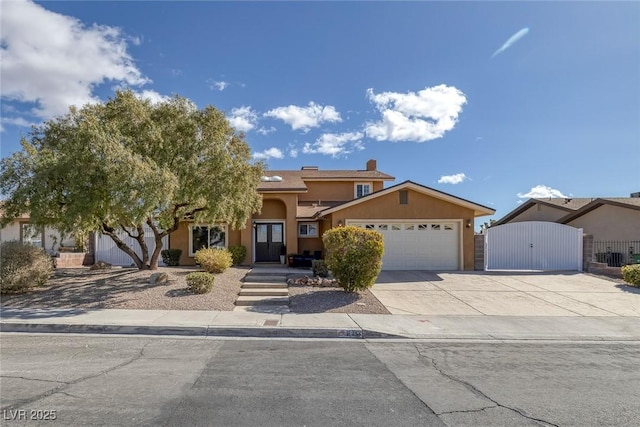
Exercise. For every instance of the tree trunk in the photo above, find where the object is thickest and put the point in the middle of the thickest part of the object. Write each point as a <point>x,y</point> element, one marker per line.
<point>153,263</point>
<point>123,246</point>
<point>144,249</point>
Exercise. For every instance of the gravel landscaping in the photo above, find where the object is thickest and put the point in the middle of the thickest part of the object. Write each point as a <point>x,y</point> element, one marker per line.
<point>127,288</point>
<point>314,299</point>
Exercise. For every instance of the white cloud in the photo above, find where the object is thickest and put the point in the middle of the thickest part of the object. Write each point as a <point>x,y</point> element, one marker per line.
<point>422,116</point>
<point>305,118</point>
<point>243,119</point>
<point>452,179</point>
<point>335,144</point>
<point>269,153</point>
<point>218,84</point>
<point>541,192</point>
<point>152,96</point>
<point>293,150</point>
<point>266,131</point>
<point>56,61</point>
<point>512,40</point>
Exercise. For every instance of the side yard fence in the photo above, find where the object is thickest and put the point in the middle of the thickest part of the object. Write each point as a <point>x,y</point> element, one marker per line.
<point>599,256</point>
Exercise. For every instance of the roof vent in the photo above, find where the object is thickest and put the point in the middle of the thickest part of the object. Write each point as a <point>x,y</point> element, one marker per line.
<point>274,178</point>
<point>309,168</point>
<point>635,194</point>
<point>567,200</point>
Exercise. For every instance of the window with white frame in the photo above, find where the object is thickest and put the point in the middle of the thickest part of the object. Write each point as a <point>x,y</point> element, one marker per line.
<point>362,189</point>
<point>31,235</point>
<point>207,236</point>
<point>308,229</point>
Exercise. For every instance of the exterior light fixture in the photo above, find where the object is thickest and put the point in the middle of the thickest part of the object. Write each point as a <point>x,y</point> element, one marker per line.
<point>468,223</point>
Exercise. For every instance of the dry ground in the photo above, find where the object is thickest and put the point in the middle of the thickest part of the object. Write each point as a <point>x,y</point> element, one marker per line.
<point>127,288</point>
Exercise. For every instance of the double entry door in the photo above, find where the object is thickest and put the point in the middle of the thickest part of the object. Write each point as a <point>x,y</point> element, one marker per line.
<point>269,240</point>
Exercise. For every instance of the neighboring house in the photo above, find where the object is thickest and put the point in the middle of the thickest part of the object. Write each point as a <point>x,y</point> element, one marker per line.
<point>612,224</point>
<point>606,219</point>
<point>424,228</point>
<point>23,231</point>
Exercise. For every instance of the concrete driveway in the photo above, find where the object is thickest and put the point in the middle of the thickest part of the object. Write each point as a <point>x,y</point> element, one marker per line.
<point>502,294</point>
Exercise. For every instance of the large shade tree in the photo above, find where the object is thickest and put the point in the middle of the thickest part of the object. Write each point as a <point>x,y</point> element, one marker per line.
<point>118,166</point>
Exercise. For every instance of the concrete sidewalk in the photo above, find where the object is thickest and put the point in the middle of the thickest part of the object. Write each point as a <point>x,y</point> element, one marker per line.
<point>326,325</point>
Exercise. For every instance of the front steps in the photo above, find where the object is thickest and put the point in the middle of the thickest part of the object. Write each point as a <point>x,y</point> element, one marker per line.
<point>264,290</point>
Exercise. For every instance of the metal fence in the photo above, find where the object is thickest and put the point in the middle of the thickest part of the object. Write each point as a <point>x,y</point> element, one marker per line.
<point>617,253</point>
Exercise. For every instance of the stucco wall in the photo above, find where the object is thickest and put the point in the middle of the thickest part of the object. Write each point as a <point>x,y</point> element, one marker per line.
<point>540,212</point>
<point>334,190</point>
<point>52,239</point>
<point>610,223</point>
<point>179,239</point>
<point>420,206</point>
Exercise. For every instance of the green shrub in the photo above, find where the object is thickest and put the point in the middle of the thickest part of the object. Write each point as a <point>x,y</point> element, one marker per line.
<point>213,260</point>
<point>319,268</point>
<point>238,254</point>
<point>631,274</point>
<point>23,267</point>
<point>200,282</point>
<point>354,256</point>
<point>171,257</point>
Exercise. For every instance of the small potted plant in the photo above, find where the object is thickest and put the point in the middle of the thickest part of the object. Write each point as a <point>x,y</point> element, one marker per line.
<point>283,254</point>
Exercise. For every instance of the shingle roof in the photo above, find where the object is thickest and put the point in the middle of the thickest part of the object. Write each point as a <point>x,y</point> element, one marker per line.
<point>573,206</point>
<point>309,211</point>
<point>293,180</point>
<point>568,203</point>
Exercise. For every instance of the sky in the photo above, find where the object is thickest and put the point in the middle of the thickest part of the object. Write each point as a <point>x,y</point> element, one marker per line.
<point>494,102</point>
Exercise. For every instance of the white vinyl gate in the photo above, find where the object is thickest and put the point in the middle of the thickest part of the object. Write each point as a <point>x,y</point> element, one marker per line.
<point>533,246</point>
<point>106,249</point>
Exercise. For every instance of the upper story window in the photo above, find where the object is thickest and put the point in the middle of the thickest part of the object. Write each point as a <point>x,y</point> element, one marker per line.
<point>362,189</point>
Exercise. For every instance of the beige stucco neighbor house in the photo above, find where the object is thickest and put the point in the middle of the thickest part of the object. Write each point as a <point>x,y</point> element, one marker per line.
<point>23,231</point>
<point>606,219</point>
<point>423,228</point>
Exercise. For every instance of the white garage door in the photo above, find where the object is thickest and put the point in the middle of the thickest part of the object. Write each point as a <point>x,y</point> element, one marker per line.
<point>418,245</point>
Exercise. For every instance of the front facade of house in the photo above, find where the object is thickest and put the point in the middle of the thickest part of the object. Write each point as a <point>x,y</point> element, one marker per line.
<point>423,228</point>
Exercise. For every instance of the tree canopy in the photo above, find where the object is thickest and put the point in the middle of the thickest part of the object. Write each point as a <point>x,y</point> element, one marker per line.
<point>117,166</point>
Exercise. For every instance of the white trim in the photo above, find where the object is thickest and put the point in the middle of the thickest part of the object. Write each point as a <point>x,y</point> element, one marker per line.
<point>253,234</point>
<point>363,183</point>
<point>217,224</point>
<point>478,210</point>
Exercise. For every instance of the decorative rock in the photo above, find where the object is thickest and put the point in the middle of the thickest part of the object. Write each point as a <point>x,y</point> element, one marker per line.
<point>159,279</point>
<point>313,281</point>
<point>100,265</point>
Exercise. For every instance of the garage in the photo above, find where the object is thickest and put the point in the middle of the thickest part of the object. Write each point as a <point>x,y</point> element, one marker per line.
<point>418,245</point>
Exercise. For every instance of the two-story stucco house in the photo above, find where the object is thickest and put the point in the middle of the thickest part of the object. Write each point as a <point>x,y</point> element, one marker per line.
<point>423,228</point>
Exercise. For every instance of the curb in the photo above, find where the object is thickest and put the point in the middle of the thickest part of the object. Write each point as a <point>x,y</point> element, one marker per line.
<point>202,331</point>
<point>284,332</point>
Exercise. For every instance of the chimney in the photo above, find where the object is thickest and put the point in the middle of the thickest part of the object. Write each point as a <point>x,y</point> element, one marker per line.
<point>372,165</point>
